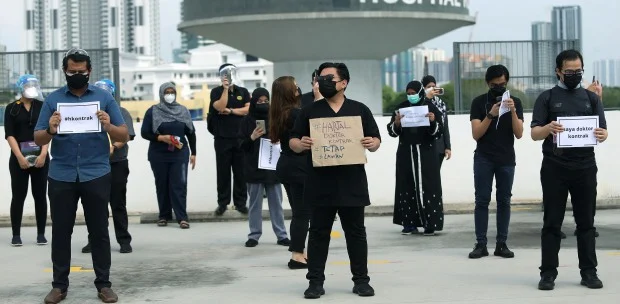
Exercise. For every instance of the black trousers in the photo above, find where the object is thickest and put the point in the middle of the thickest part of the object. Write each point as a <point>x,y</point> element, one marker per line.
<point>19,189</point>
<point>118,200</point>
<point>171,187</point>
<point>557,182</point>
<point>228,155</point>
<point>301,216</point>
<point>442,156</point>
<point>64,197</point>
<point>352,221</point>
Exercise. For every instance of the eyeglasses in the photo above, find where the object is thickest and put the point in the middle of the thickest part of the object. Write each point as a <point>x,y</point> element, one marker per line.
<point>573,72</point>
<point>75,51</point>
<point>498,85</point>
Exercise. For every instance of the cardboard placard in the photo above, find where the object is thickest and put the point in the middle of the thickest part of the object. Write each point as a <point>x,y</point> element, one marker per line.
<point>337,141</point>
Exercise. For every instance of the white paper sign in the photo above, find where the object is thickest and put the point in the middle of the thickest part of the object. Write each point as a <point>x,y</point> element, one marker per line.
<point>578,131</point>
<point>503,108</point>
<point>414,117</point>
<point>268,154</point>
<point>79,117</point>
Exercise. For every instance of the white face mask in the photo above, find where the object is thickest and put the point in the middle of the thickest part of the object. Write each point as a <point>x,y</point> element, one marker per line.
<point>169,98</point>
<point>31,92</point>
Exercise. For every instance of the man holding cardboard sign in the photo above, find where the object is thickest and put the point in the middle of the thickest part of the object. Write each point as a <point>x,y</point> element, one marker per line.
<point>337,131</point>
<point>568,166</point>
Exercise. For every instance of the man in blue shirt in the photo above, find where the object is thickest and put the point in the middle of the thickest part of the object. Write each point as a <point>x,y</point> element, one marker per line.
<point>80,170</point>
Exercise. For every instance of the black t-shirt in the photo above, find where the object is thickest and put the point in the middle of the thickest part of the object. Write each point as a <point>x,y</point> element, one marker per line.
<point>498,143</point>
<point>307,98</point>
<point>345,186</point>
<point>286,134</point>
<point>227,125</point>
<point>559,102</point>
<point>19,122</point>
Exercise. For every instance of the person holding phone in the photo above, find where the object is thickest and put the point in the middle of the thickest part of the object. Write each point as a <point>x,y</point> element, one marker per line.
<point>28,160</point>
<point>170,129</point>
<point>417,196</point>
<point>314,95</point>
<point>444,148</point>
<point>252,136</point>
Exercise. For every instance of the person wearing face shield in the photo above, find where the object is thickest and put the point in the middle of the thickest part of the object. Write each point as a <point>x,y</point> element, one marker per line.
<point>119,169</point>
<point>80,172</point>
<point>229,104</point>
<point>568,170</point>
<point>332,190</point>
<point>252,136</point>
<point>494,157</point>
<point>170,129</point>
<point>418,193</point>
<point>27,160</point>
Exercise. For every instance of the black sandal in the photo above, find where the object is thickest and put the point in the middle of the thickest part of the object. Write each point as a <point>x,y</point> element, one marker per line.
<point>184,225</point>
<point>162,223</point>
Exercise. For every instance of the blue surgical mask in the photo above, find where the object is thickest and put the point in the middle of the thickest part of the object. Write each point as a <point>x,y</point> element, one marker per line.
<point>413,99</point>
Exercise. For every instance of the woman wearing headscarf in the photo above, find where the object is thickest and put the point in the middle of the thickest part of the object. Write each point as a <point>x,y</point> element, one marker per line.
<point>27,161</point>
<point>252,138</point>
<point>444,148</point>
<point>169,128</point>
<point>291,168</point>
<point>418,195</point>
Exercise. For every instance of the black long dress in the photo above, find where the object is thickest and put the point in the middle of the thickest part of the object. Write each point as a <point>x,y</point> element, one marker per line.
<point>418,195</point>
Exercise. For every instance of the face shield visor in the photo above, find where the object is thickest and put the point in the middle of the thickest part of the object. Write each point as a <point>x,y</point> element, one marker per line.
<point>31,89</point>
<point>229,74</point>
<point>107,87</point>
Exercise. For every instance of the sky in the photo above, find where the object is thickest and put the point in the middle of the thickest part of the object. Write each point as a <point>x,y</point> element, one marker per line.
<point>497,20</point>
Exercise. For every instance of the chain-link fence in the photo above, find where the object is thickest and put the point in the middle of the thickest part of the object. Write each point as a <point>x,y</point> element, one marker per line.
<point>47,67</point>
<point>531,65</point>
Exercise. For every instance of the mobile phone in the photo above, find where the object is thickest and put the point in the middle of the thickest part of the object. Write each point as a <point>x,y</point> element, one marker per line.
<point>261,124</point>
<point>439,91</point>
<point>593,79</point>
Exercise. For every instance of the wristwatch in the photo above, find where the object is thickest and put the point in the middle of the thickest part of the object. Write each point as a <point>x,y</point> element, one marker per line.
<point>49,132</point>
<point>490,116</point>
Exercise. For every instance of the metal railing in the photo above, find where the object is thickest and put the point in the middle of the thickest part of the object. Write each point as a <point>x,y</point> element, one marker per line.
<point>531,65</point>
<point>47,67</point>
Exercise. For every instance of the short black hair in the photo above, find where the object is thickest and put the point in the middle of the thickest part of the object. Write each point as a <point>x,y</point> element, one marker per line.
<point>341,69</point>
<point>225,65</point>
<point>567,55</point>
<point>76,58</point>
<point>496,71</point>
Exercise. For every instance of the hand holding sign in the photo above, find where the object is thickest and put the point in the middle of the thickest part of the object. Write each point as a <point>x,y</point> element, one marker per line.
<point>555,128</point>
<point>104,118</point>
<point>54,122</point>
<point>80,117</point>
<point>601,134</point>
<point>306,143</point>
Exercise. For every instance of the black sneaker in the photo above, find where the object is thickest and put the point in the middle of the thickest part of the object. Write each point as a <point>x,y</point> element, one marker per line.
<point>479,251</point>
<point>562,235</point>
<point>314,292</point>
<point>429,232</point>
<point>409,230</point>
<point>363,290</point>
<point>591,281</point>
<point>242,209</point>
<point>219,211</point>
<point>251,243</point>
<point>16,241</point>
<point>86,249</point>
<point>126,248</point>
<point>547,282</point>
<point>501,250</point>
<point>284,242</point>
<point>292,264</point>
<point>41,240</point>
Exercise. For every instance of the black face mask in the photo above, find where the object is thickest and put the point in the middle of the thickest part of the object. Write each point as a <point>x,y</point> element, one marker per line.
<point>572,81</point>
<point>497,91</point>
<point>327,88</point>
<point>77,81</point>
<point>261,111</point>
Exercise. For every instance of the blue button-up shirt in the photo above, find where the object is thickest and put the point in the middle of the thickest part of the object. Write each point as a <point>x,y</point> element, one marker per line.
<point>79,157</point>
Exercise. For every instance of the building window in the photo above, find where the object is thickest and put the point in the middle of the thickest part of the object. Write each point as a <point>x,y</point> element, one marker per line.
<point>113,16</point>
<point>141,89</point>
<point>251,58</point>
<point>55,19</point>
<point>256,72</point>
<point>29,20</point>
<point>208,75</point>
<point>191,75</point>
<point>139,15</point>
<point>258,84</point>
<point>123,81</point>
<point>139,76</point>
<point>264,72</point>
<point>225,59</point>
